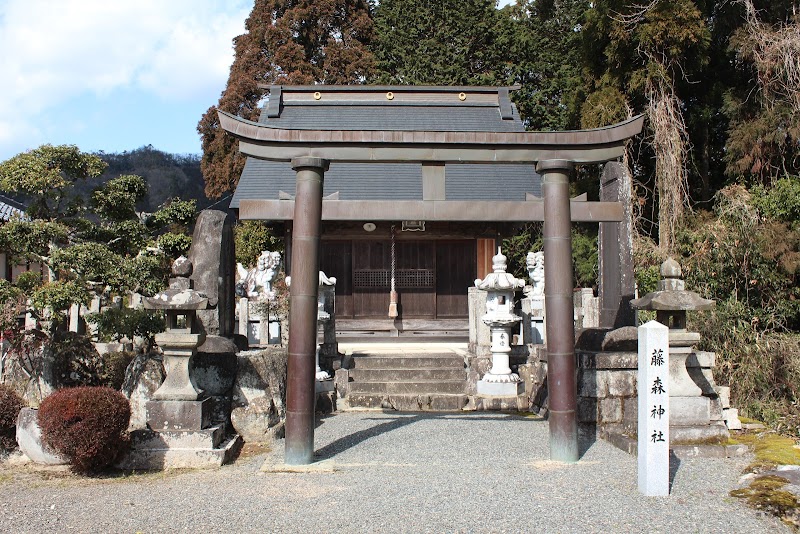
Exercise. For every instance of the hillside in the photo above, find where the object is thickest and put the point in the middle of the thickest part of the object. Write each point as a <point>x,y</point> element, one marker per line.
<point>167,175</point>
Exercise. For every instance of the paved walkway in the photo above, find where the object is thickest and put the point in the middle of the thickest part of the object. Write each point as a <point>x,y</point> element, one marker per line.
<point>471,472</point>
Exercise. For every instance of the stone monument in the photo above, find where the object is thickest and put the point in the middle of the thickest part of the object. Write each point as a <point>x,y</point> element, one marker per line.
<point>500,318</point>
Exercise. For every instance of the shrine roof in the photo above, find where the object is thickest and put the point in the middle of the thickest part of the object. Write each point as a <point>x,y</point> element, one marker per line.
<point>391,108</point>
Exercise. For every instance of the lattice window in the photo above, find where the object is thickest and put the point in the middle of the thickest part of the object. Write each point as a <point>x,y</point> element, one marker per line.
<point>371,278</point>
<point>414,278</point>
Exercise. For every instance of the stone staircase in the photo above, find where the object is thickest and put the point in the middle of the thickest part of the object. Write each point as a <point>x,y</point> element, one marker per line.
<point>409,380</point>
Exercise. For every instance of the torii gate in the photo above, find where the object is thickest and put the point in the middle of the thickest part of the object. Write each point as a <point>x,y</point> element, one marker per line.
<point>311,152</point>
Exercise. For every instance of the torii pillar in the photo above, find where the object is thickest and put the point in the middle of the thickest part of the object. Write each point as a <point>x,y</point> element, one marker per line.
<point>303,310</point>
<point>561,373</point>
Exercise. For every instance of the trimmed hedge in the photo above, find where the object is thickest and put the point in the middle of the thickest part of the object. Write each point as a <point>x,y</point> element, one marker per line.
<point>10,405</point>
<point>86,425</point>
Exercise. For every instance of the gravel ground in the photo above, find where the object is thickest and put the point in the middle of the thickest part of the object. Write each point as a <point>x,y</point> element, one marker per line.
<point>476,472</point>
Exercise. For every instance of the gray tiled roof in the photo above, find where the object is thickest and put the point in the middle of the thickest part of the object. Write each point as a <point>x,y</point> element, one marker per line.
<point>384,116</point>
<point>400,181</point>
<point>9,209</point>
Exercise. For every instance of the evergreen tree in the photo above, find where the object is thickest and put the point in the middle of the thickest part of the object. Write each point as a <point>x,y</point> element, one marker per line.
<point>544,45</point>
<point>442,42</point>
<point>285,42</point>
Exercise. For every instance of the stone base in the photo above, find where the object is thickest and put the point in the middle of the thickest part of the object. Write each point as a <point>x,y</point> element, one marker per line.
<point>178,415</point>
<point>174,449</point>
<point>500,389</point>
<point>518,403</point>
<point>715,432</point>
<point>627,443</point>
<point>324,386</point>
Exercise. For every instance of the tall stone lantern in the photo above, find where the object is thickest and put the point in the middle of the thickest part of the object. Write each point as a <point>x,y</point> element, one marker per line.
<point>500,319</point>
<point>696,411</point>
<point>178,403</point>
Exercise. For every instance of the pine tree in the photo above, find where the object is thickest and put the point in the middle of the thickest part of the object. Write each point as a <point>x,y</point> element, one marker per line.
<point>285,42</point>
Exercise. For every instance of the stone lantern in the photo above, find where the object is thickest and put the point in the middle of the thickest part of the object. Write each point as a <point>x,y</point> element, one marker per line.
<point>325,294</point>
<point>696,413</point>
<point>326,290</point>
<point>178,402</point>
<point>500,319</point>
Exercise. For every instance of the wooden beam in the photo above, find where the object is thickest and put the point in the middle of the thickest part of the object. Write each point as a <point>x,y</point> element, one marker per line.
<point>430,210</point>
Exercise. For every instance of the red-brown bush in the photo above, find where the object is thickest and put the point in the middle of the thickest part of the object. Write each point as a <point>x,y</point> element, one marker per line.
<point>86,425</point>
<point>10,405</point>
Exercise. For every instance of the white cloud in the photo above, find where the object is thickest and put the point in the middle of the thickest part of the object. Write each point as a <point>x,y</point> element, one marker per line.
<point>53,51</point>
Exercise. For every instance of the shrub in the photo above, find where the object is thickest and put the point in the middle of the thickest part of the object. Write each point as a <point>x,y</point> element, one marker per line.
<point>75,360</point>
<point>10,405</point>
<point>115,364</point>
<point>86,425</point>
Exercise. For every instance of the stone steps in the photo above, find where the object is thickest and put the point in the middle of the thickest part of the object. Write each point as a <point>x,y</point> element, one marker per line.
<point>438,402</point>
<point>406,374</point>
<point>421,381</point>
<point>408,387</point>
<point>404,361</point>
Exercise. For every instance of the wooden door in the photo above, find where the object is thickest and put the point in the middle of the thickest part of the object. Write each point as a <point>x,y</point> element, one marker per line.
<point>415,279</point>
<point>371,281</point>
<point>455,273</point>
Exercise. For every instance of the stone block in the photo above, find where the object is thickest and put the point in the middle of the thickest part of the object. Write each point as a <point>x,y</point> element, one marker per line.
<point>341,379</point>
<point>256,421</point>
<point>622,383</point>
<point>505,403</point>
<point>181,458</point>
<point>260,373</point>
<point>703,359</point>
<point>685,411</point>
<point>609,411</point>
<point>587,410</point>
<point>143,377</point>
<point>593,383</point>
<point>29,439</point>
<point>731,416</point>
<point>325,402</point>
<point>500,389</point>
<point>630,413</point>
<point>724,393</point>
<point>178,415</point>
<point>625,339</point>
<point>209,438</point>
<point>683,435</point>
<point>215,372</point>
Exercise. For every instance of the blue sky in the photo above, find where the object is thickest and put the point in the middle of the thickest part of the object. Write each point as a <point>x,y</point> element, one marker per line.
<point>113,75</point>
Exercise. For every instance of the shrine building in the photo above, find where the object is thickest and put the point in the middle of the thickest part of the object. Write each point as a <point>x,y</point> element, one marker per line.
<point>441,245</point>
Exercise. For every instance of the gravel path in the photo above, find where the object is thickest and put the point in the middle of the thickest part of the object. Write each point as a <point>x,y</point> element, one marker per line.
<point>393,473</point>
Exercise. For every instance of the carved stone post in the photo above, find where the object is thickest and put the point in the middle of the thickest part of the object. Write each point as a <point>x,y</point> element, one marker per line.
<point>561,376</point>
<point>300,393</point>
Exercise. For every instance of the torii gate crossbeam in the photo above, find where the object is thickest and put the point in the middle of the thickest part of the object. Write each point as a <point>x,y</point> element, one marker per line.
<point>555,154</point>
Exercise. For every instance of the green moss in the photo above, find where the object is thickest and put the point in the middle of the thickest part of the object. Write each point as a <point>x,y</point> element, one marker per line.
<point>748,421</point>
<point>768,482</point>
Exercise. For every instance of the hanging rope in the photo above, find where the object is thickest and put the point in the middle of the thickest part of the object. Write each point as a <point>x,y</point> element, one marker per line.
<point>392,293</point>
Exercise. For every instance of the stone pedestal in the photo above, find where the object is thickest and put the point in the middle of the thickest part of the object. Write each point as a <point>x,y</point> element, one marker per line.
<point>533,322</point>
<point>178,415</point>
